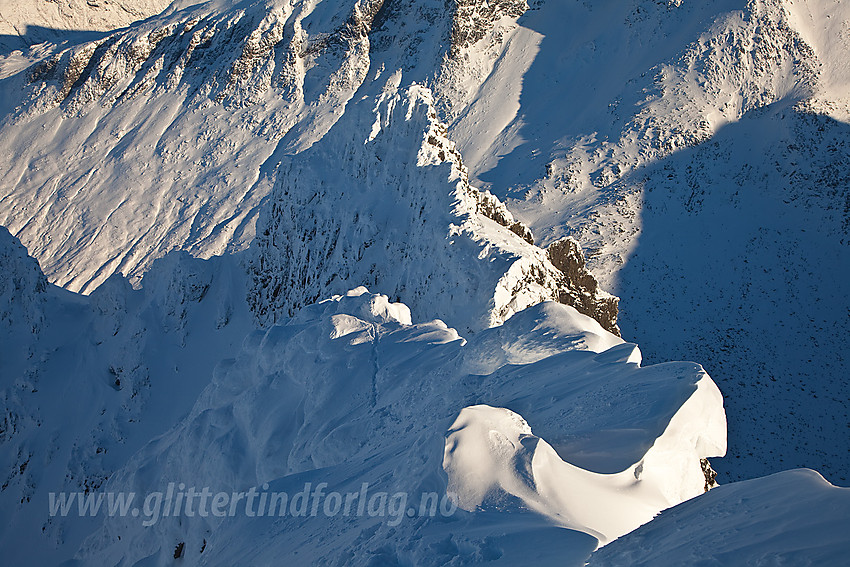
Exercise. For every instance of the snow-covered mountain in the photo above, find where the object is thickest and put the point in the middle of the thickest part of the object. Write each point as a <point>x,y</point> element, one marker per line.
<point>699,153</point>
<point>225,166</point>
<point>399,214</point>
<point>346,392</point>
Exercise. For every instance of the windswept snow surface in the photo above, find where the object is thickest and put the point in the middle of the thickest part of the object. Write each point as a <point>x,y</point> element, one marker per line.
<point>349,391</point>
<point>766,521</point>
<point>700,153</point>
<point>346,392</point>
<point>160,136</point>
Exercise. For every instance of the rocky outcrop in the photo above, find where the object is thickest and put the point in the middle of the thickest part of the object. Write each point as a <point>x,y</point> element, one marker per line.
<point>473,19</point>
<point>579,288</point>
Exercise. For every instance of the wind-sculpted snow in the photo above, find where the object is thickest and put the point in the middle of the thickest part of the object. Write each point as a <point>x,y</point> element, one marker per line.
<point>394,209</point>
<point>698,152</point>
<point>455,156</point>
<point>766,521</point>
<point>350,391</point>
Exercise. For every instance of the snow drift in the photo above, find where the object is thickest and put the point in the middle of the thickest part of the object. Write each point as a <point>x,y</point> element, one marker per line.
<point>350,391</point>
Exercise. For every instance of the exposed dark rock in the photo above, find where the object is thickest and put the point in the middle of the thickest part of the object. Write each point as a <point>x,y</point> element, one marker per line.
<point>493,209</point>
<point>580,289</point>
<point>710,475</point>
<point>473,19</point>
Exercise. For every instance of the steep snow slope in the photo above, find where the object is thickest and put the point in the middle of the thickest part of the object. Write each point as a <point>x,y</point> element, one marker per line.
<point>757,522</point>
<point>168,134</point>
<point>349,391</point>
<point>397,213</point>
<point>86,381</point>
<point>161,136</point>
<point>284,89</point>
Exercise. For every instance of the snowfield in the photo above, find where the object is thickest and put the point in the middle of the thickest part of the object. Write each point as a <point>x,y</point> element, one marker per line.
<point>326,282</point>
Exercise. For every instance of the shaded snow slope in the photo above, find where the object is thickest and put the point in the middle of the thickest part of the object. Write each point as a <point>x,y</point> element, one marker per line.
<point>86,381</point>
<point>766,521</point>
<point>384,199</point>
<point>349,391</point>
<point>743,263</point>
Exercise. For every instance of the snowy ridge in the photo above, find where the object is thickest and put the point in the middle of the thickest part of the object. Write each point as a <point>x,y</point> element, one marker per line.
<point>705,174</point>
<point>454,157</point>
<point>350,391</point>
<point>396,201</point>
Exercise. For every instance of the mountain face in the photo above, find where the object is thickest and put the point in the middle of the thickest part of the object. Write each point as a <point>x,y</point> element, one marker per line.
<point>179,123</point>
<point>222,166</point>
<point>649,132</point>
<point>398,214</point>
